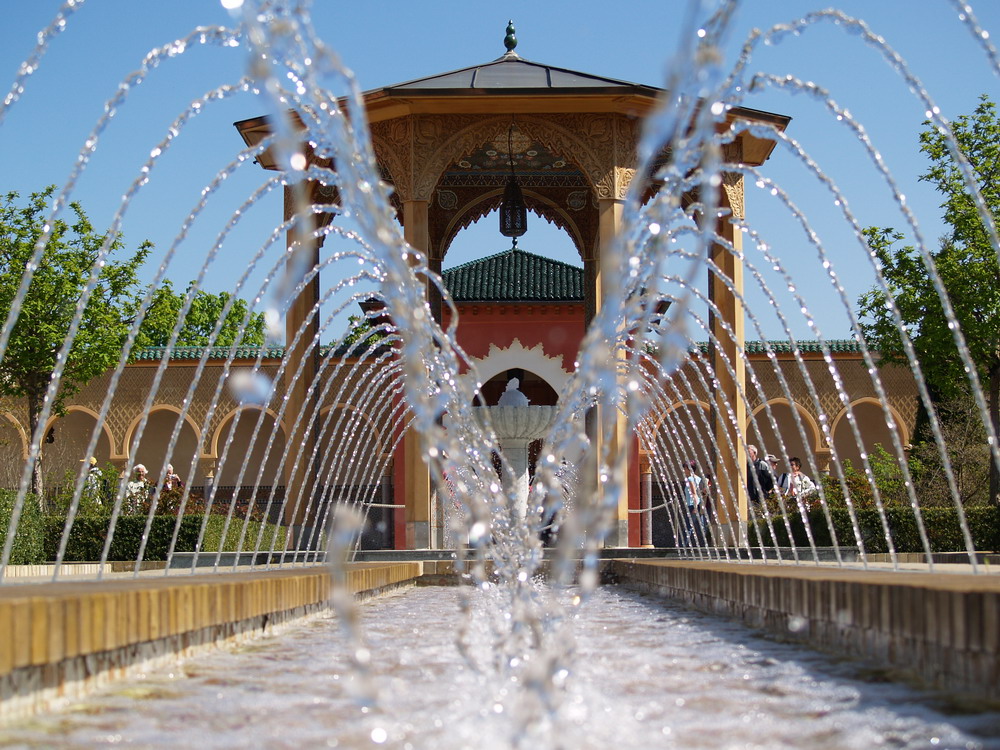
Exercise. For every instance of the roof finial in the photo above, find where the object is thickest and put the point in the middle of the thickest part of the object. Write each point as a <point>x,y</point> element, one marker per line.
<point>510,41</point>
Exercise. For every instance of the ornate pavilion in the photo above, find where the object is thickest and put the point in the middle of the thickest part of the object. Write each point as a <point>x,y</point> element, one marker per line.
<point>442,142</point>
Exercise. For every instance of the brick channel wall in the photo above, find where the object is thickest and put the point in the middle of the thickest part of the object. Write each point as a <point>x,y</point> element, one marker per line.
<point>942,628</point>
<point>61,640</point>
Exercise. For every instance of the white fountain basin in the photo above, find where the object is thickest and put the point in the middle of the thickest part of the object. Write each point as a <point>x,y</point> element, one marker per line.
<point>520,422</point>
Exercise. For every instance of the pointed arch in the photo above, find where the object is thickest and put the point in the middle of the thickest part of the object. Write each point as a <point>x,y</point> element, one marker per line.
<point>114,454</point>
<point>815,435</point>
<point>687,402</point>
<point>904,434</point>
<point>130,432</point>
<point>72,434</point>
<point>657,423</point>
<point>483,204</point>
<point>244,459</point>
<point>21,432</point>
<point>872,426</point>
<point>516,356</point>
<point>363,416</point>
<point>559,139</point>
<point>229,417</point>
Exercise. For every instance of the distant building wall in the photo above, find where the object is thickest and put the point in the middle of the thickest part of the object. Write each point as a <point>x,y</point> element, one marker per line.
<point>357,424</point>
<point>202,447</point>
<point>789,405</point>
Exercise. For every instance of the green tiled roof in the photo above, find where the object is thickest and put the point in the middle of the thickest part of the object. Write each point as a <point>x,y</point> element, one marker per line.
<point>215,352</point>
<point>785,347</point>
<point>155,353</point>
<point>514,276</point>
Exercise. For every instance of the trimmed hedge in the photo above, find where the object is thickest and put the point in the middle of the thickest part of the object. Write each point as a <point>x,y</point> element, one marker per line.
<point>943,531</point>
<point>214,533</point>
<point>86,538</point>
<point>28,546</point>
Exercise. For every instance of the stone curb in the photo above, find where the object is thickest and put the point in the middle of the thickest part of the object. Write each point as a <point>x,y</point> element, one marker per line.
<point>942,629</point>
<point>60,640</point>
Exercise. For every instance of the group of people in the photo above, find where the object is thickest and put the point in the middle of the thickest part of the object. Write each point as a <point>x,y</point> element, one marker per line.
<point>140,490</point>
<point>763,478</point>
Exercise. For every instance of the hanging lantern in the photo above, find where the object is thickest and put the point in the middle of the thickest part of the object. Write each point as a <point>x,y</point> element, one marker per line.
<point>513,213</point>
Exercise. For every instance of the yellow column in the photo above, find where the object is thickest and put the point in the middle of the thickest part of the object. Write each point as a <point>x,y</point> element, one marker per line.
<point>303,440</point>
<point>723,353</point>
<point>417,490</point>
<point>610,219</point>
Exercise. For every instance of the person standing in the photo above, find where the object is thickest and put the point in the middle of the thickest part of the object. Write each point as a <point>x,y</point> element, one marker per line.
<point>759,478</point>
<point>172,481</point>
<point>694,498</point>
<point>92,484</point>
<point>781,479</point>
<point>800,487</point>
<point>139,490</point>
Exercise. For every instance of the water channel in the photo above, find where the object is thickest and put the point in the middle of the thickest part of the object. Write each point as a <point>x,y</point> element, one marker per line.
<point>646,674</point>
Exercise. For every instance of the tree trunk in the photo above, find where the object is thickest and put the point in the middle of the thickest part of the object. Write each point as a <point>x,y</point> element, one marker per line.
<point>35,401</point>
<point>995,421</point>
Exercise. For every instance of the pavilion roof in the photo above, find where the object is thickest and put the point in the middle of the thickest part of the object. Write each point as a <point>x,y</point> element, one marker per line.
<point>511,73</point>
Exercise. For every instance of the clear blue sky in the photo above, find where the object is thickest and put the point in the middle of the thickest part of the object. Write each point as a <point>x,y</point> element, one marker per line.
<point>389,42</point>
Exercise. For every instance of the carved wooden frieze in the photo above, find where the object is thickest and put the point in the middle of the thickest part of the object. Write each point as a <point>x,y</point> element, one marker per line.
<point>732,182</point>
<point>626,153</point>
<point>603,146</point>
<point>391,140</point>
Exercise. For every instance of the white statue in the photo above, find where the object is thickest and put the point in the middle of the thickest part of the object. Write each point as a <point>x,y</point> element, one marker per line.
<point>512,396</point>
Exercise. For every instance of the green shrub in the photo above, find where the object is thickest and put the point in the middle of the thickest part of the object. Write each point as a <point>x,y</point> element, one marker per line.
<point>213,533</point>
<point>943,531</point>
<point>86,539</point>
<point>95,498</point>
<point>28,545</point>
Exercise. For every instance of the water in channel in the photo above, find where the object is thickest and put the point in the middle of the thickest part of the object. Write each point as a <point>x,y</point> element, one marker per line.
<point>647,674</point>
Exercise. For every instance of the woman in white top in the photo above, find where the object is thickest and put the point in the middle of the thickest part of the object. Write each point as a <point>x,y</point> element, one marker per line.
<point>800,486</point>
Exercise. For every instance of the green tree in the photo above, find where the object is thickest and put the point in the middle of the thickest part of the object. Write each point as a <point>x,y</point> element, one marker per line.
<point>165,308</point>
<point>360,328</point>
<point>966,263</point>
<point>49,307</point>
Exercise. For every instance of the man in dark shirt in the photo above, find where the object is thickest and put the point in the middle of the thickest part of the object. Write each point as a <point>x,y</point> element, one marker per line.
<point>759,478</point>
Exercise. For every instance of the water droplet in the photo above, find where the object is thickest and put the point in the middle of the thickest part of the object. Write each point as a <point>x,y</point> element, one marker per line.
<point>251,387</point>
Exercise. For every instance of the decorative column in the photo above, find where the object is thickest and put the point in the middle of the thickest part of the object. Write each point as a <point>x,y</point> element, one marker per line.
<point>645,502</point>
<point>610,219</point>
<point>725,347</point>
<point>385,498</point>
<point>301,312</point>
<point>417,477</point>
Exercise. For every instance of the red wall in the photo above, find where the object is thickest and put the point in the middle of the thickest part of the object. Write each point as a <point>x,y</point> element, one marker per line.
<point>558,327</point>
